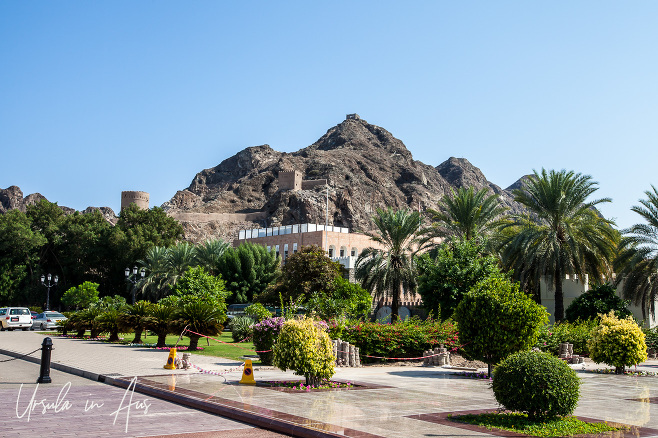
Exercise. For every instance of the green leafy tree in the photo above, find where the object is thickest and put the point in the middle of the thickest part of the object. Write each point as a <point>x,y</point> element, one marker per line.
<point>637,263</point>
<point>197,285</point>
<point>600,299</point>
<point>305,348</point>
<point>390,271</point>
<point>465,214</point>
<point>81,296</point>
<point>563,234</point>
<point>447,273</point>
<point>496,319</point>
<point>19,255</point>
<point>248,270</point>
<point>306,273</point>
<point>345,300</point>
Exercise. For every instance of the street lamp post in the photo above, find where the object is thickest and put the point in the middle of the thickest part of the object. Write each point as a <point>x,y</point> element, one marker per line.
<point>49,284</point>
<point>134,278</point>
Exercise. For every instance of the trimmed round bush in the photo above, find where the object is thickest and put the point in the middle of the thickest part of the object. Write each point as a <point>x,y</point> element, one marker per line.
<point>241,328</point>
<point>617,342</point>
<point>541,385</point>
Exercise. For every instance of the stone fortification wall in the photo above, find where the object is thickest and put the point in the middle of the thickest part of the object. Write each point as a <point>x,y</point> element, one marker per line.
<point>309,184</point>
<point>218,217</point>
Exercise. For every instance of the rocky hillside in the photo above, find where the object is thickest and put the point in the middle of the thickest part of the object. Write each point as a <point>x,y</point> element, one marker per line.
<point>366,168</point>
<point>12,198</point>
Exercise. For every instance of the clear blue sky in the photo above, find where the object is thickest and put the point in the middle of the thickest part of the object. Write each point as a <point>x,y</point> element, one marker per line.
<point>99,97</point>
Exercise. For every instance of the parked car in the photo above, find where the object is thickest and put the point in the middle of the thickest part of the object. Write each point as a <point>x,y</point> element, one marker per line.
<point>15,318</point>
<point>47,320</point>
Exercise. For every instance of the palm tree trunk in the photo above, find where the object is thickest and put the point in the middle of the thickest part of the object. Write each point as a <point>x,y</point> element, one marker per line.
<point>161,339</point>
<point>395,304</point>
<point>194,343</point>
<point>559,295</point>
<point>138,336</point>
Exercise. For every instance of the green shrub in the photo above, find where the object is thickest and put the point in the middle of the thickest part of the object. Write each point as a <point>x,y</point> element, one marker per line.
<point>577,333</point>
<point>403,339</point>
<point>496,319</point>
<point>601,299</point>
<point>305,347</point>
<point>241,328</point>
<point>265,335</point>
<point>651,338</point>
<point>258,312</point>
<point>617,342</point>
<point>536,383</point>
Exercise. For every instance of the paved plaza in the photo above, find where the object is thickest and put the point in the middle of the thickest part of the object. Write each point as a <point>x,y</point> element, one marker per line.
<point>400,401</point>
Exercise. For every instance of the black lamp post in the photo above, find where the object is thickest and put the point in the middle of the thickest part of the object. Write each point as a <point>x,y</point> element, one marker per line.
<point>49,284</point>
<point>134,278</point>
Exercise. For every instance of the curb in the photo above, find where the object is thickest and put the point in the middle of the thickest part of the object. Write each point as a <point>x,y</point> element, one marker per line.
<point>263,422</point>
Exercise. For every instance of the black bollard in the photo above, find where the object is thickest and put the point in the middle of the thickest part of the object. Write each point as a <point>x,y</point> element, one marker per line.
<point>44,373</point>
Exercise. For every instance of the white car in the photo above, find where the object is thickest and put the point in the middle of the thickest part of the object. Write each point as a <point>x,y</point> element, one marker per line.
<point>47,320</point>
<point>15,318</point>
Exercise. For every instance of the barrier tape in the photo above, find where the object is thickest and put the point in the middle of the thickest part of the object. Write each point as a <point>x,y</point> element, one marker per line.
<point>215,373</point>
<point>362,355</point>
<point>228,343</point>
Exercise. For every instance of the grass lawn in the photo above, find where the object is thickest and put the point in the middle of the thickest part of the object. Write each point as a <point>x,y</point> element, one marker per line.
<point>215,348</point>
<point>519,423</point>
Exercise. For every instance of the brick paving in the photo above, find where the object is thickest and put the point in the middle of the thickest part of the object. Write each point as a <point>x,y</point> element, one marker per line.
<point>398,405</point>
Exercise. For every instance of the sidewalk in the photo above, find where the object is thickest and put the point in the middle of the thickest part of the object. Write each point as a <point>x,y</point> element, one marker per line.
<point>409,401</point>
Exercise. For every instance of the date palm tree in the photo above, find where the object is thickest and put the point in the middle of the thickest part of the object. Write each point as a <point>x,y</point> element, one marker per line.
<point>465,214</point>
<point>637,262</point>
<point>562,232</point>
<point>390,271</point>
<point>209,254</point>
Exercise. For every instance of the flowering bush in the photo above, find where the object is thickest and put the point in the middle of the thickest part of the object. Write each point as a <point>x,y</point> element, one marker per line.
<point>404,339</point>
<point>577,333</point>
<point>304,347</point>
<point>265,335</point>
<point>617,342</point>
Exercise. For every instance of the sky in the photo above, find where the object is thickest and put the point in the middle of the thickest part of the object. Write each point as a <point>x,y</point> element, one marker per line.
<point>106,96</point>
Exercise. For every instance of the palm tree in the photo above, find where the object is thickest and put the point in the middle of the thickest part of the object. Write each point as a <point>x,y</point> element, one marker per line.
<point>638,257</point>
<point>390,271</point>
<point>562,234</point>
<point>465,214</point>
<point>134,317</point>
<point>164,266</point>
<point>209,254</point>
<point>200,317</point>
<point>159,322</point>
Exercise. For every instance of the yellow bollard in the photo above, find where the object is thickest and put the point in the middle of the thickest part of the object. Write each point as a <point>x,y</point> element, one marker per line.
<point>171,360</point>
<point>248,373</point>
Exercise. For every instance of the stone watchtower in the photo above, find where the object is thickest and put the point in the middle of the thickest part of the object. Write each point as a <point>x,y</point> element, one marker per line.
<point>141,199</point>
<point>290,180</point>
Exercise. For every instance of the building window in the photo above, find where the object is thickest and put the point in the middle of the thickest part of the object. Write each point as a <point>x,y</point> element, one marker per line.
<point>277,250</point>
<point>354,252</point>
<point>285,251</point>
<point>269,248</point>
<point>343,251</point>
<point>331,251</point>
<point>294,248</point>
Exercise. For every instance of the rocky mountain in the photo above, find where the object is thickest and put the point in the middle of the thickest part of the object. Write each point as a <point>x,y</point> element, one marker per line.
<point>12,198</point>
<point>365,167</point>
